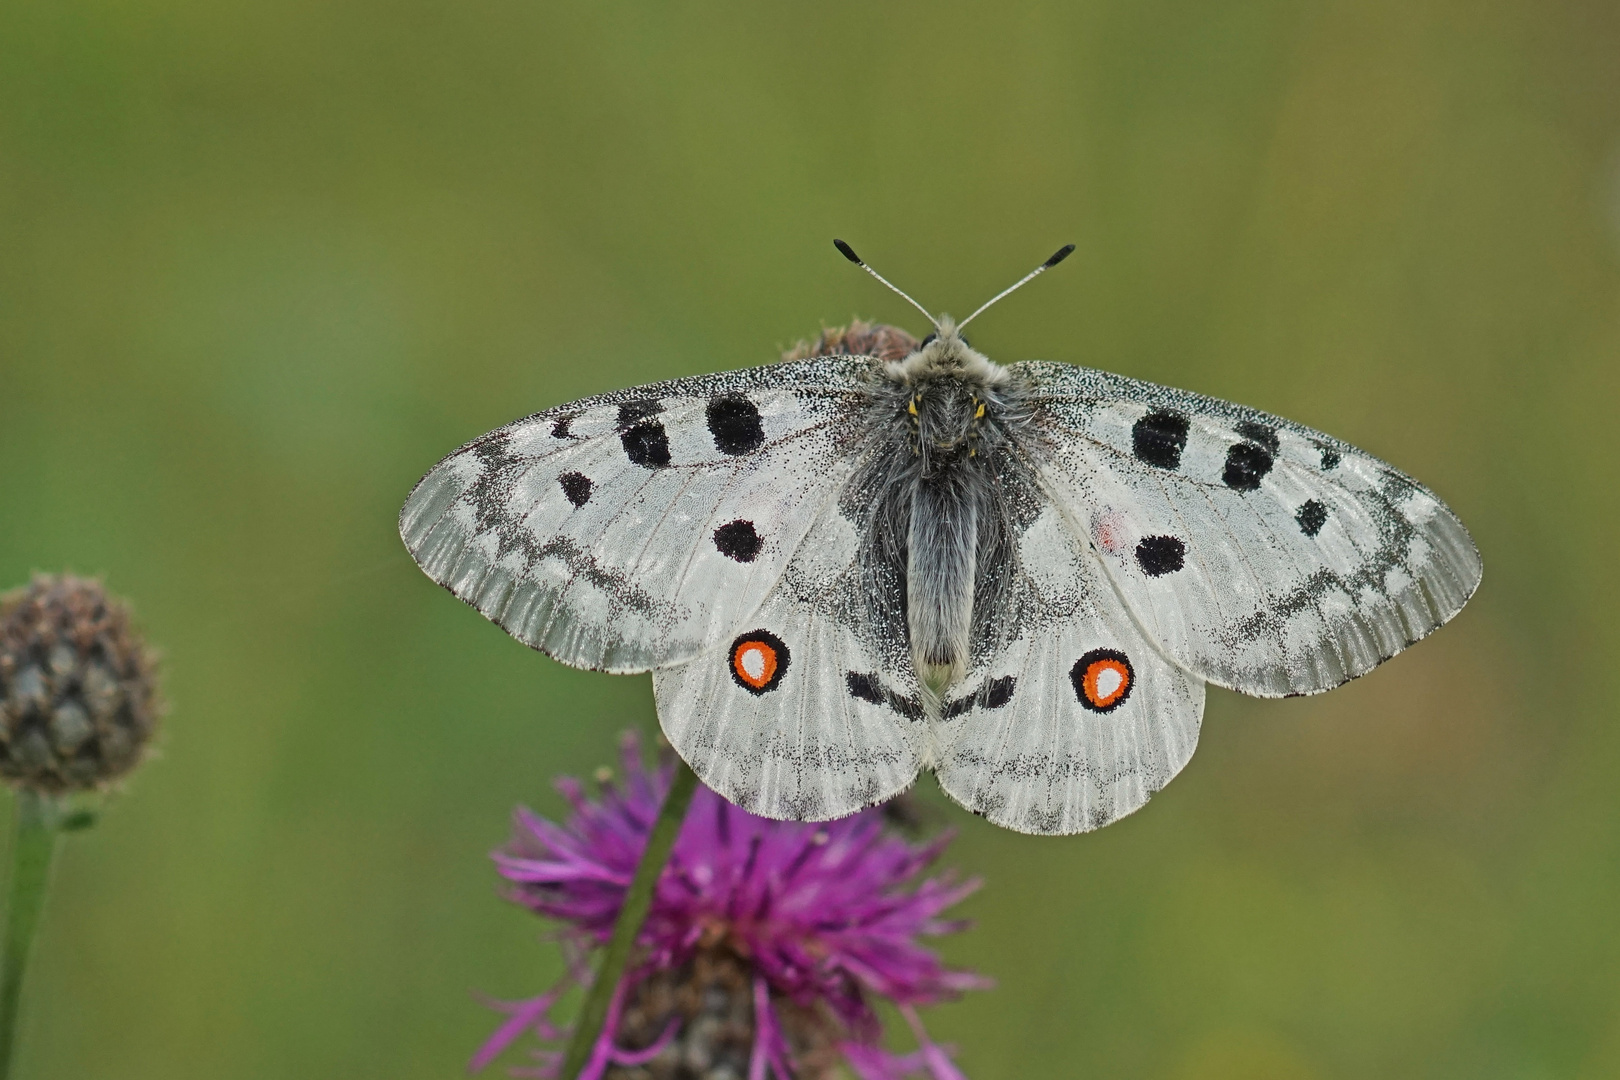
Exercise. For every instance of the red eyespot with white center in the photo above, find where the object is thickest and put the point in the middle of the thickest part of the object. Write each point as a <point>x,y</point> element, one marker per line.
<point>1102,679</point>
<point>758,661</point>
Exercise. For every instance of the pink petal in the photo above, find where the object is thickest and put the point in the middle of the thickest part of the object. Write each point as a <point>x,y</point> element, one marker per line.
<point>641,1057</point>
<point>764,1020</point>
<point>524,1014</point>
<point>940,1065</point>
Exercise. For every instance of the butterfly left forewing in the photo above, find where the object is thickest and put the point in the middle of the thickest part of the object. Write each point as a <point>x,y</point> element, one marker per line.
<point>634,529</point>
<point>1075,719</point>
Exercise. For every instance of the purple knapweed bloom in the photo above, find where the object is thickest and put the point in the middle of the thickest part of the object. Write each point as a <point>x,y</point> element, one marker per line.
<point>765,948</point>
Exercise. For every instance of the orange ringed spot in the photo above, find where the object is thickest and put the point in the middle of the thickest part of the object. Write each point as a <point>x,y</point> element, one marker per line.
<point>758,660</point>
<point>1102,679</point>
<point>756,663</point>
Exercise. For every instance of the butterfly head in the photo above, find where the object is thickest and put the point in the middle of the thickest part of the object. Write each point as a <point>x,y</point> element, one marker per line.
<point>946,354</point>
<point>947,392</point>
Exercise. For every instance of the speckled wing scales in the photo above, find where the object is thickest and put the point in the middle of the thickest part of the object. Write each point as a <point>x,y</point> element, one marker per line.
<point>1077,720</point>
<point>801,716</point>
<point>639,528</point>
<point>1259,554</point>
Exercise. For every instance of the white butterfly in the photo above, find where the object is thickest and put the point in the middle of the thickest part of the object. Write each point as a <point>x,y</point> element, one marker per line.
<point>846,568</point>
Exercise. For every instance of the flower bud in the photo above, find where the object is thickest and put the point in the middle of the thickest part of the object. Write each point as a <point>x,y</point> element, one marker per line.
<point>78,687</point>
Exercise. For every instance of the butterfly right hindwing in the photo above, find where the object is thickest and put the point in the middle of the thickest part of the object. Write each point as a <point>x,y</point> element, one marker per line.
<point>1077,720</point>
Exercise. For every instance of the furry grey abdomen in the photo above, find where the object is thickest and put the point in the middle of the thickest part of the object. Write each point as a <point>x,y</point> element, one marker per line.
<point>941,560</point>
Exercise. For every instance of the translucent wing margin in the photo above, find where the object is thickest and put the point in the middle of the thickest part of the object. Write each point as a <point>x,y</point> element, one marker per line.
<point>638,528</point>
<point>1259,554</point>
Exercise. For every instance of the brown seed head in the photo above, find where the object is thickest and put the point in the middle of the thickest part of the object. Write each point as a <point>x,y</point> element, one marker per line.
<point>78,687</point>
<point>857,339</point>
<point>712,998</point>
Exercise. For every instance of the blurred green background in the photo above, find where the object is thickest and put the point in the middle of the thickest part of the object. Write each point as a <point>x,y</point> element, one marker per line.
<point>262,264</point>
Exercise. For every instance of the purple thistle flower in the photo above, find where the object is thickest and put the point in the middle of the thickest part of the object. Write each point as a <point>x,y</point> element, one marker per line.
<point>765,947</point>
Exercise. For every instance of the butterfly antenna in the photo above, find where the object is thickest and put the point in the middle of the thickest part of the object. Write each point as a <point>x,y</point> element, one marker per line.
<point>1058,256</point>
<point>849,253</point>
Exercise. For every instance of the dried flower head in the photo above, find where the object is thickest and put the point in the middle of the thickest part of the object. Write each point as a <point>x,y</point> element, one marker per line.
<point>78,687</point>
<point>859,338</point>
<point>766,947</point>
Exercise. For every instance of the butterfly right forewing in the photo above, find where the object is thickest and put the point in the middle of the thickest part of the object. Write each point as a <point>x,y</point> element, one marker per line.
<point>1260,554</point>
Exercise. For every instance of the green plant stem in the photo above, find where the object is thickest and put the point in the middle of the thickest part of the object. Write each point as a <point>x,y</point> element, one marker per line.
<point>32,846</point>
<point>637,901</point>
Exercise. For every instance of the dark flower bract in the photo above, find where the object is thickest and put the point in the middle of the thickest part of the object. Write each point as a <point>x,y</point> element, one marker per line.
<point>767,945</point>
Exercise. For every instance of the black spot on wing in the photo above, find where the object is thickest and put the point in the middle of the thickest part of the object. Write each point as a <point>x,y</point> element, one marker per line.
<point>1246,465</point>
<point>1260,434</point>
<point>738,540</point>
<point>910,708</point>
<point>644,439</point>
<point>559,427</point>
<point>865,687</point>
<point>997,693</point>
<point>1159,438</point>
<point>577,486</point>
<point>992,695</point>
<point>1160,555</point>
<point>1330,456</point>
<point>1311,517</point>
<point>646,444</point>
<point>734,422</point>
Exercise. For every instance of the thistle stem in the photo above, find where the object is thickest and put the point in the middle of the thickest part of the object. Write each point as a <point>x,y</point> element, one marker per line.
<point>637,902</point>
<point>32,847</point>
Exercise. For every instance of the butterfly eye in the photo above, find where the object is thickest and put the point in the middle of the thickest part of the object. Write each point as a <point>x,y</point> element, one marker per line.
<point>927,341</point>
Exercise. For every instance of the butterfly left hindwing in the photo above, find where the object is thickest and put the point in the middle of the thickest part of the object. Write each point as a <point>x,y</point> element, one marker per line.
<point>800,716</point>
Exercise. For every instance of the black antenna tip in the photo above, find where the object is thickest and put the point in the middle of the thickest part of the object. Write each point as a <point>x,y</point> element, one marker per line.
<point>849,252</point>
<point>1062,253</point>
